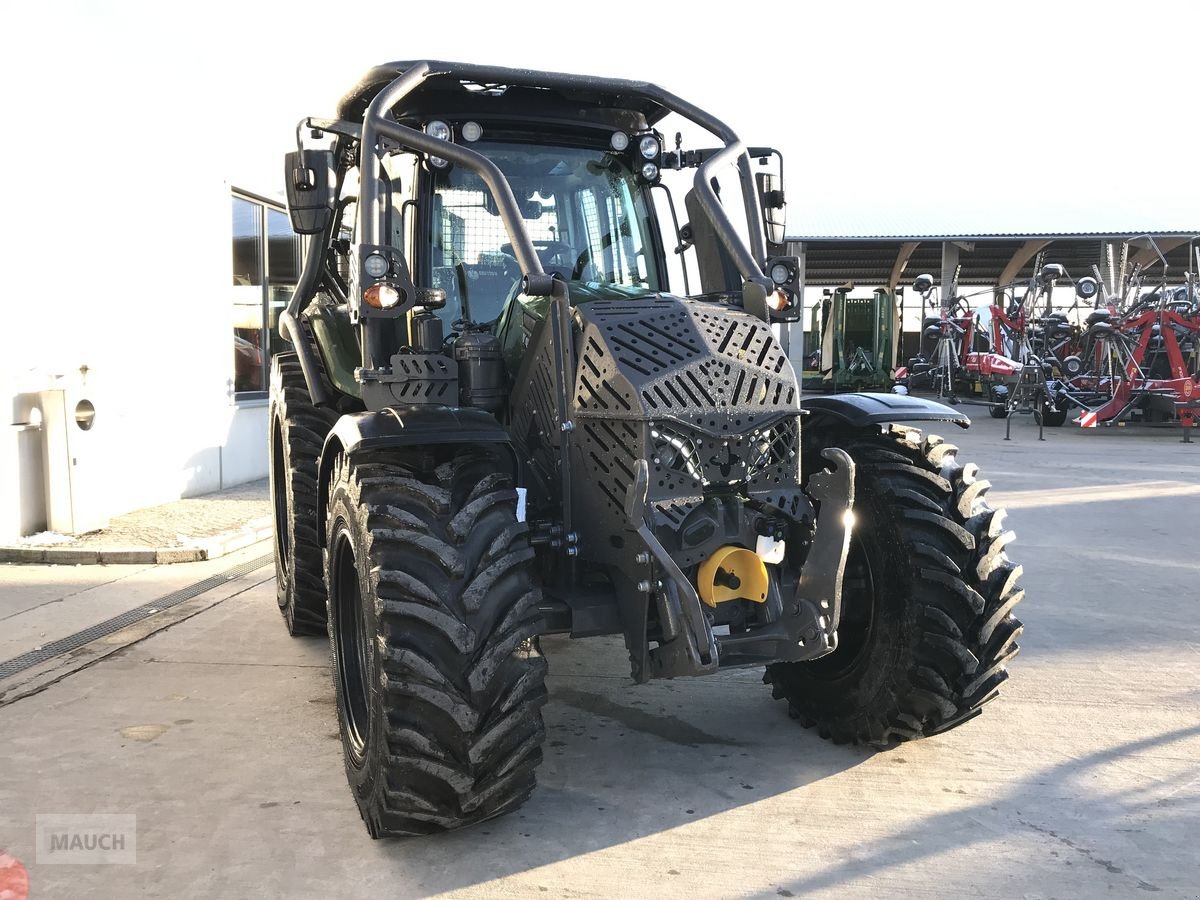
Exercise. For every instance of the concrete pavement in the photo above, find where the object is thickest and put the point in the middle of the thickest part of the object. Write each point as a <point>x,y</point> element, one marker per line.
<point>1080,781</point>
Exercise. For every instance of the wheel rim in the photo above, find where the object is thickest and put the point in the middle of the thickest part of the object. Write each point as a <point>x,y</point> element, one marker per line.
<point>351,644</point>
<point>858,615</point>
<point>283,539</point>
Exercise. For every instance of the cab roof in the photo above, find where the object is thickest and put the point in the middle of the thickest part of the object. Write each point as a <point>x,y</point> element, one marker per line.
<point>462,89</point>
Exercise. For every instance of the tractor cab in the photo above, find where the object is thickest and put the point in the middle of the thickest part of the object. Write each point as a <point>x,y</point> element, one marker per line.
<point>585,169</point>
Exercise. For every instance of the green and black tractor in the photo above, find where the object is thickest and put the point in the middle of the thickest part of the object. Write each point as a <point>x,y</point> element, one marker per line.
<point>499,420</point>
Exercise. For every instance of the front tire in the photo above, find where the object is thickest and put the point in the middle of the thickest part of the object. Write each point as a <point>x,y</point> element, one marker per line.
<point>926,629</point>
<point>434,618</point>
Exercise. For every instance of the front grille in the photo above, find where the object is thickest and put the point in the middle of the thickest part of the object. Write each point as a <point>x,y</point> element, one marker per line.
<point>689,459</point>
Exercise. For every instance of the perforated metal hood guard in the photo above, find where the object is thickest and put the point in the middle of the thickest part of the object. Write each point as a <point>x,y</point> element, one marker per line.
<point>703,392</point>
<point>715,368</point>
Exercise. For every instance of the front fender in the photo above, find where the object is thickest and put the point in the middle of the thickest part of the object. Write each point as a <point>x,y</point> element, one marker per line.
<point>861,410</point>
<point>401,427</point>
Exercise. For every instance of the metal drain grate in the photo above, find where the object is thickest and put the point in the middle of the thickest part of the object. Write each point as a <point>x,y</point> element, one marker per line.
<point>11,667</point>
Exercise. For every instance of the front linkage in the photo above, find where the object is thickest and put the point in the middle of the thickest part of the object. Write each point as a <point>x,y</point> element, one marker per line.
<point>806,623</point>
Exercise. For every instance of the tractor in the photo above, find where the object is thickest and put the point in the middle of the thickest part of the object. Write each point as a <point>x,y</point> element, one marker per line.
<point>501,418</point>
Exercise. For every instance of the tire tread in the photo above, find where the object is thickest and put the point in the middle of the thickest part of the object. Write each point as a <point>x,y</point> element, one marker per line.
<point>961,589</point>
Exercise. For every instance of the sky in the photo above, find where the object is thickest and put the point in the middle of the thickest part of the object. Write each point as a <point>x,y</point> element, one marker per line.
<point>894,118</point>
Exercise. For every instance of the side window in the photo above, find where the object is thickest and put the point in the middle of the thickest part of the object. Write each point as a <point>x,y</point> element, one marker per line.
<point>679,274</point>
<point>596,256</point>
<point>249,341</point>
<point>616,250</point>
<point>266,268</point>
<point>399,169</point>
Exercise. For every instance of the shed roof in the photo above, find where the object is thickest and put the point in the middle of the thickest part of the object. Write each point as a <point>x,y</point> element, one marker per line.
<point>983,257</point>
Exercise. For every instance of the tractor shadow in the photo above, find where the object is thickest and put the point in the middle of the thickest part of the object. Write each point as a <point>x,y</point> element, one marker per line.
<point>625,761</point>
<point>1059,812</point>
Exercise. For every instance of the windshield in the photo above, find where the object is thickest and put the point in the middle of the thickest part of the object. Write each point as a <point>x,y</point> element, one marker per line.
<point>583,209</point>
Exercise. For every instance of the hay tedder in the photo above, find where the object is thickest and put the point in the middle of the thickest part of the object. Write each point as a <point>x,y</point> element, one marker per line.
<point>1137,356</point>
<point>1128,353</point>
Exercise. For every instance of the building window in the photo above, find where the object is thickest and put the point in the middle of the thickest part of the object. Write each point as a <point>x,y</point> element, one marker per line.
<point>266,267</point>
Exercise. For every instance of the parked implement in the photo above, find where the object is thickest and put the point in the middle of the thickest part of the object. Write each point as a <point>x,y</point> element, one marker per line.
<point>857,340</point>
<point>527,432</point>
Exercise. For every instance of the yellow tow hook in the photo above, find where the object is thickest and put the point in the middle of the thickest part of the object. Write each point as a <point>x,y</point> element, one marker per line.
<point>732,573</point>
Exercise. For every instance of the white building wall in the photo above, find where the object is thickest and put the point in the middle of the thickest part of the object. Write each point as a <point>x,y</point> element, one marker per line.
<point>120,287</point>
<point>149,344</point>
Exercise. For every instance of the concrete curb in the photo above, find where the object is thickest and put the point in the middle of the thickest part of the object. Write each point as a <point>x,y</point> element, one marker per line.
<point>196,550</point>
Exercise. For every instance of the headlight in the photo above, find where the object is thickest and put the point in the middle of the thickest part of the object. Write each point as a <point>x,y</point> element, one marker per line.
<point>472,131</point>
<point>780,273</point>
<point>441,131</point>
<point>648,147</point>
<point>376,265</point>
<point>650,171</point>
<point>619,141</point>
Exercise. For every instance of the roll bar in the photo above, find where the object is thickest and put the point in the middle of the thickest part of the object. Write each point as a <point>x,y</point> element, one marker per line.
<point>387,86</point>
<point>410,77</point>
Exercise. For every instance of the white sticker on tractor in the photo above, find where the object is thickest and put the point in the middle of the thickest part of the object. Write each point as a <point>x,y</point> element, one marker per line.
<point>521,504</point>
<point>770,550</point>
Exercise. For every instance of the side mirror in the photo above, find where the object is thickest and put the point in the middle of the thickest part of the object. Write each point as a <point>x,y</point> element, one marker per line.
<point>308,177</point>
<point>774,207</point>
<point>1086,288</point>
<point>923,284</point>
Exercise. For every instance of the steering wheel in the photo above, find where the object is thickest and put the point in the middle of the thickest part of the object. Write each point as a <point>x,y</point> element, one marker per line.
<point>554,254</point>
<point>581,263</point>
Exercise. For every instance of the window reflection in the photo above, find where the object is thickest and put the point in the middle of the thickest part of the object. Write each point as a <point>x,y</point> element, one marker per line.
<point>263,242</point>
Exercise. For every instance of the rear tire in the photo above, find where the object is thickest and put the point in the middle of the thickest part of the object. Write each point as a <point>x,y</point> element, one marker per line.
<point>297,433</point>
<point>926,629</point>
<point>434,618</point>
